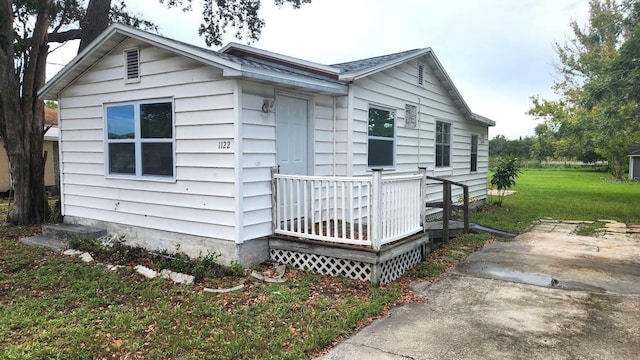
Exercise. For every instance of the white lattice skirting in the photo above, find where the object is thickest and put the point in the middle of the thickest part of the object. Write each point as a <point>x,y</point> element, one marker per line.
<point>325,265</point>
<point>394,268</point>
<point>378,268</point>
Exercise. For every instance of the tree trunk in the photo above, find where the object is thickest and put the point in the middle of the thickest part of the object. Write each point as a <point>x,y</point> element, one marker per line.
<point>95,21</point>
<point>24,124</point>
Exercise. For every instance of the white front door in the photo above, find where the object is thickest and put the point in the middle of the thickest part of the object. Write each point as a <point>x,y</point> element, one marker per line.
<point>292,122</point>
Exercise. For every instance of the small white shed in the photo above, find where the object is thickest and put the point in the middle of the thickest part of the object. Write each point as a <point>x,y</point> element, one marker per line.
<point>634,163</point>
<point>175,146</point>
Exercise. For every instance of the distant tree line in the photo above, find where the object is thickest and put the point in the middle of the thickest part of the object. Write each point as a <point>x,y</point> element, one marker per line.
<point>546,145</point>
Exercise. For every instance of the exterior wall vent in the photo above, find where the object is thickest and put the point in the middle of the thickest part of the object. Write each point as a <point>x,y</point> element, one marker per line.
<point>132,62</point>
<point>420,74</point>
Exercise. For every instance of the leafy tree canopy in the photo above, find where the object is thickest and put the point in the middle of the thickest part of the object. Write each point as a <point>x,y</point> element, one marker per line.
<point>597,112</point>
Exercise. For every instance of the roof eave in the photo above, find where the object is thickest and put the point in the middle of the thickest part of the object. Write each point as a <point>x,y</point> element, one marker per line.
<point>484,120</point>
<point>81,63</point>
<point>290,80</point>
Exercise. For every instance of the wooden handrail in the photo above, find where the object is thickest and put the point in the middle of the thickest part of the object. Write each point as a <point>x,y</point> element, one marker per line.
<point>446,204</point>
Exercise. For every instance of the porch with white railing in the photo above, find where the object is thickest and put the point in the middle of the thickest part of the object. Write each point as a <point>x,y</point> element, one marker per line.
<point>368,211</point>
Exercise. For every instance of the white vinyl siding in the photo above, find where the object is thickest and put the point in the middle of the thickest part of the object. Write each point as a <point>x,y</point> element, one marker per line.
<point>415,146</point>
<point>259,150</point>
<point>200,200</point>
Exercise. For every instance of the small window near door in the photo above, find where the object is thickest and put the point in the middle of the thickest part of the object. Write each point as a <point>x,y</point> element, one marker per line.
<point>443,144</point>
<point>381,138</point>
<point>474,152</point>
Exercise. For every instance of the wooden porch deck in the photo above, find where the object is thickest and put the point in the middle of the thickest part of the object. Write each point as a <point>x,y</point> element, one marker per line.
<point>366,228</point>
<point>357,261</point>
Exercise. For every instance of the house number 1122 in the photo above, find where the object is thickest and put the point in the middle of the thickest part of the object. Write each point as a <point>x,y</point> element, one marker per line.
<point>224,145</point>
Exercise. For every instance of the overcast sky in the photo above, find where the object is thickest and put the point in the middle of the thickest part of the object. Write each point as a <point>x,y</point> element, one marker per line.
<point>497,52</point>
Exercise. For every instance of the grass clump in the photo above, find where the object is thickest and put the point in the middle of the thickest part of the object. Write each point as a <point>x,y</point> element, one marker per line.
<point>449,254</point>
<point>590,229</point>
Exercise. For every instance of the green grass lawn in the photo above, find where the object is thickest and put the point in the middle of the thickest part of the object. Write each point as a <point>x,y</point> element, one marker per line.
<point>563,195</point>
<point>53,306</point>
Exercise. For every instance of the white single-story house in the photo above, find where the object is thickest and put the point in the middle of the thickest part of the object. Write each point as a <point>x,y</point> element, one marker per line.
<point>176,146</point>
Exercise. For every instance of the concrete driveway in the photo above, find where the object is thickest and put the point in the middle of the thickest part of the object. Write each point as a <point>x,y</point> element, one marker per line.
<point>549,294</point>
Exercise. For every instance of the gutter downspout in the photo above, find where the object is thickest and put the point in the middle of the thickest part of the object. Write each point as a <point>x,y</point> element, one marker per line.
<point>63,204</point>
<point>335,118</point>
<point>349,158</point>
<point>419,133</point>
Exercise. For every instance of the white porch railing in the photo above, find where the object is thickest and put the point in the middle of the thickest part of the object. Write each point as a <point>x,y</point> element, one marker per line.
<point>369,211</point>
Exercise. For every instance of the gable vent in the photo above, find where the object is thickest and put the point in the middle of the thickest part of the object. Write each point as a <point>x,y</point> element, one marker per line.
<point>420,74</point>
<point>132,60</point>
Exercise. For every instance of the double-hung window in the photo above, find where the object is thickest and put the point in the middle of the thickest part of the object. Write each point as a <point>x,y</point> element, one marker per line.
<point>381,138</point>
<point>139,139</point>
<point>474,152</point>
<point>443,144</point>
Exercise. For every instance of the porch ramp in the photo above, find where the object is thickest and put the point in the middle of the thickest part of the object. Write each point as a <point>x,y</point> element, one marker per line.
<point>58,236</point>
<point>436,233</point>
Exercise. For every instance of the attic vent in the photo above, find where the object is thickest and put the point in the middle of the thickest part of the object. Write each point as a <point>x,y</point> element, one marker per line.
<point>410,116</point>
<point>132,60</point>
<point>420,74</point>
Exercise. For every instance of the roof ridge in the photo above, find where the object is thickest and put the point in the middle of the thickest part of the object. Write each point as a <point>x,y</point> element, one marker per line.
<point>380,56</point>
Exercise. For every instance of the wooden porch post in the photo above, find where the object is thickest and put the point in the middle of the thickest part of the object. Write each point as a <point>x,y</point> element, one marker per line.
<point>375,223</point>
<point>466,208</point>
<point>446,210</point>
<point>423,194</point>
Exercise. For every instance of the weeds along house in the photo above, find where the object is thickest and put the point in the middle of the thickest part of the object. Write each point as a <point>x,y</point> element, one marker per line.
<point>174,145</point>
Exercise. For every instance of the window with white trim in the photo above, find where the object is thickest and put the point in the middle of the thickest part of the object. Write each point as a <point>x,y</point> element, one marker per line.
<point>140,139</point>
<point>443,144</point>
<point>381,133</point>
<point>474,152</point>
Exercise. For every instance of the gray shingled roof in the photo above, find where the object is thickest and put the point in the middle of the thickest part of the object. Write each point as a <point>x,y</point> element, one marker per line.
<point>358,65</point>
<point>259,64</point>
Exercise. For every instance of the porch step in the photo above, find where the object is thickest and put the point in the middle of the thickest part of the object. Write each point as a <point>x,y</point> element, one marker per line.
<point>46,240</point>
<point>58,236</point>
<point>434,229</point>
<point>70,231</point>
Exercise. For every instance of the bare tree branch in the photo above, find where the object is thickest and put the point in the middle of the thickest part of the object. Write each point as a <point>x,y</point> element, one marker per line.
<point>60,37</point>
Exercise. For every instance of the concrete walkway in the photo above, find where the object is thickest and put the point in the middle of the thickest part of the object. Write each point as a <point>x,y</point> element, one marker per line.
<point>549,294</point>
